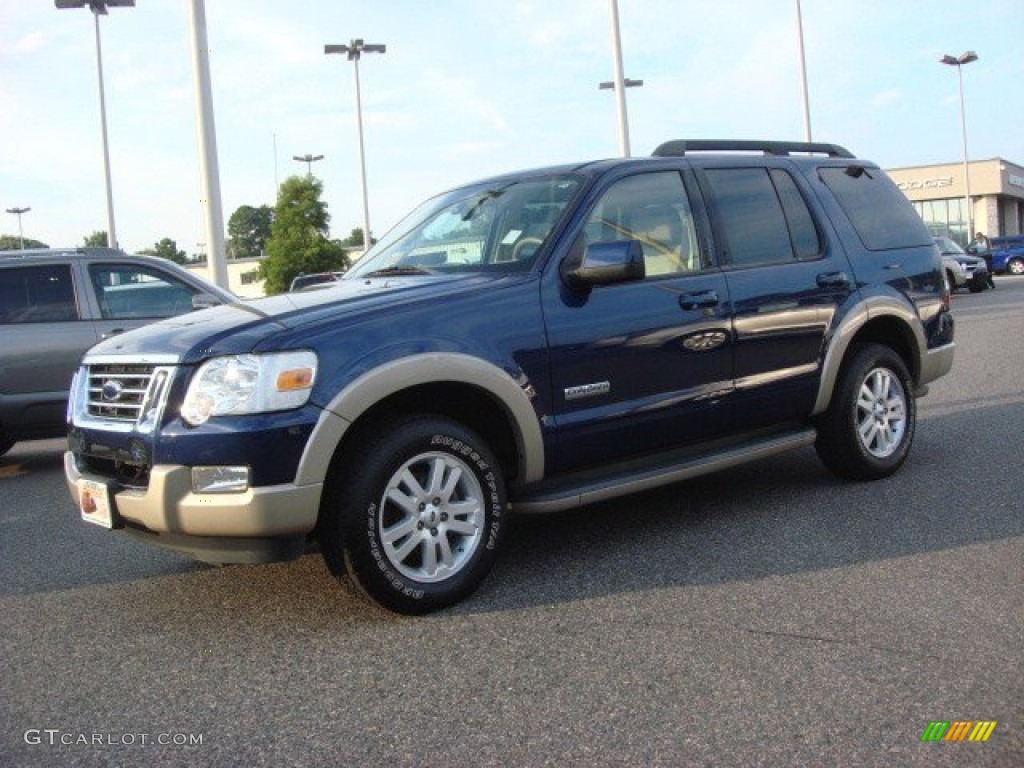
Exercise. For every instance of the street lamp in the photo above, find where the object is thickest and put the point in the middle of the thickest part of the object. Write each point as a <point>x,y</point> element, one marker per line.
<point>354,51</point>
<point>17,212</point>
<point>308,160</point>
<point>965,58</point>
<point>99,8</point>
<point>620,83</point>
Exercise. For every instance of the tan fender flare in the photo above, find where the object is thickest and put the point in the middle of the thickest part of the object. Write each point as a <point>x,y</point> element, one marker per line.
<point>390,378</point>
<point>870,309</point>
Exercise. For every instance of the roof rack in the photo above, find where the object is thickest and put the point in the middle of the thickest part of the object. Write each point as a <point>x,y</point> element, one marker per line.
<point>680,147</point>
<point>93,250</point>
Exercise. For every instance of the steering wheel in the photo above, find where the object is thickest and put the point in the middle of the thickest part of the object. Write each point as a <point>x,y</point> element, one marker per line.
<point>517,249</point>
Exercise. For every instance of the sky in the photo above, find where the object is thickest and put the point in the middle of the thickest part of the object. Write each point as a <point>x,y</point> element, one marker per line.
<point>466,89</point>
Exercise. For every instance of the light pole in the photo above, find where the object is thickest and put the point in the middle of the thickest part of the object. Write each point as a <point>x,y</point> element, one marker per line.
<point>354,51</point>
<point>620,83</point>
<point>803,73</point>
<point>209,169</point>
<point>99,8</point>
<point>308,159</point>
<point>958,62</point>
<point>17,212</point>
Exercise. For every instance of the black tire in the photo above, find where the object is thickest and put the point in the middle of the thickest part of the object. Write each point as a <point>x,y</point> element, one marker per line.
<point>1015,267</point>
<point>976,286</point>
<point>5,444</point>
<point>415,518</point>
<point>867,431</point>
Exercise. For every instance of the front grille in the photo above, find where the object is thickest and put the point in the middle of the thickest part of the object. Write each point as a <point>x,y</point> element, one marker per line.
<point>124,392</point>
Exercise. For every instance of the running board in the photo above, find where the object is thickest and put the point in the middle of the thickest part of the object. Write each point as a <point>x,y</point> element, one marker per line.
<point>589,488</point>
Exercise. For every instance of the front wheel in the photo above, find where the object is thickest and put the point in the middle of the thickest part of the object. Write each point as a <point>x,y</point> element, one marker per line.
<point>1015,267</point>
<point>868,428</point>
<point>415,524</point>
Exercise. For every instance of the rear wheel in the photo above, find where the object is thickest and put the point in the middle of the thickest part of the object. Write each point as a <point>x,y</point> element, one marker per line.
<point>868,428</point>
<point>5,443</point>
<point>415,524</point>
<point>1015,266</point>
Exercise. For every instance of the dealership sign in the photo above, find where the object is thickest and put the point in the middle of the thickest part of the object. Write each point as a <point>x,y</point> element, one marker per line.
<point>936,183</point>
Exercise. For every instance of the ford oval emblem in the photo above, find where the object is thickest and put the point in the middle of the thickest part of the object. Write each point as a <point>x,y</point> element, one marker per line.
<point>706,341</point>
<point>112,389</point>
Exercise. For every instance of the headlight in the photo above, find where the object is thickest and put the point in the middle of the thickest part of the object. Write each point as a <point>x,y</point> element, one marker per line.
<point>249,384</point>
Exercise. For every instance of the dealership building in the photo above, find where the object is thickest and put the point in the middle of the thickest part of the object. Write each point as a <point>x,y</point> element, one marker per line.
<point>938,192</point>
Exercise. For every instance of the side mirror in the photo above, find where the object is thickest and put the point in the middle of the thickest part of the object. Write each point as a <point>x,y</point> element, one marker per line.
<point>607,263</point>
<point>204,301</point>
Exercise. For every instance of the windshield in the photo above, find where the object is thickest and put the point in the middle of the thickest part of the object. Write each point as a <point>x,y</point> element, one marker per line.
<point>485,227</point>
<point>949,246</point>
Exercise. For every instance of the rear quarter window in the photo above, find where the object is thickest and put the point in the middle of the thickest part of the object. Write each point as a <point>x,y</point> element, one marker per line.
<point>881,215</point>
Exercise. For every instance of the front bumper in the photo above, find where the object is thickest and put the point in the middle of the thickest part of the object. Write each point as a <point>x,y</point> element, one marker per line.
<point>937,363</point>
<point>258,525</point>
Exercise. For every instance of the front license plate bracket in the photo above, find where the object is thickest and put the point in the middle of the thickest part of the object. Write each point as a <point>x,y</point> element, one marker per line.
<point>95,504</point>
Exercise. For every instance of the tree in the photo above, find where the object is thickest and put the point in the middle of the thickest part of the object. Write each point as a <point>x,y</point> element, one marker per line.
<point>166,249</point>
<point>13,243</point>
<point>355,240</point>
<point>298,241</point>
<point>97,239</point>
<point>248,230</point>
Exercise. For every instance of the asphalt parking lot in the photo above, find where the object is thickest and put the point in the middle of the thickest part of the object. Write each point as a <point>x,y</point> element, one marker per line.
<point>770,615</point>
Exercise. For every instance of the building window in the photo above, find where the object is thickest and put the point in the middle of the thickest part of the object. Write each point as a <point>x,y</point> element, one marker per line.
<point>945,218</point>
<point>250,277</point>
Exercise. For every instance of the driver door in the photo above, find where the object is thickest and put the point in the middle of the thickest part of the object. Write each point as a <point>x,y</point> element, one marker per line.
<point>642,365</point>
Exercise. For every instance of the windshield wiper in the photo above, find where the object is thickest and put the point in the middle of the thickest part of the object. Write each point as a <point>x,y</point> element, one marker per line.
<point>398,270</point>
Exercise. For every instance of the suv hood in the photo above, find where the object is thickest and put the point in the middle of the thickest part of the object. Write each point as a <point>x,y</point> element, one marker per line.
<point>237,328</point>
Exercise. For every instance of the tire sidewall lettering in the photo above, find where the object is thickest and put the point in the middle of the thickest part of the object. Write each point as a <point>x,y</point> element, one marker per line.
<point>487,476</point>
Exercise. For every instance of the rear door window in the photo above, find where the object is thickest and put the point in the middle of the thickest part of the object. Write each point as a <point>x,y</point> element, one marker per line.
<point>37,294</point>
<point>762,216</point>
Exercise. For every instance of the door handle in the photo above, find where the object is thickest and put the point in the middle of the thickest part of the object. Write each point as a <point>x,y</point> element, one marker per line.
<point>698,300</point>
<point>833,280</point>
<point>111,332</point>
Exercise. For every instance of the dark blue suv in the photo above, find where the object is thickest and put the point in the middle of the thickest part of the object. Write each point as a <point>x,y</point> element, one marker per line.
<point>1007,255</point>
<point>528,343</point>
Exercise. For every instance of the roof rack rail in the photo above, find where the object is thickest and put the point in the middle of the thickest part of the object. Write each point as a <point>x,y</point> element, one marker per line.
<point>680,147</point>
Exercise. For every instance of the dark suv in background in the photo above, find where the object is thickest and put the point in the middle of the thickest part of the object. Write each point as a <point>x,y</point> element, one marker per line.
<point>533,342</point>
<point>55,304</point>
